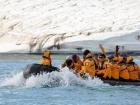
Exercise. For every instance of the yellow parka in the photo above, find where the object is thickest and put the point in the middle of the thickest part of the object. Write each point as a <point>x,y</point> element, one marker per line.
<point>88,67</point>
<point>45,62</point>
<point>78,66</point>
<point>105,70</point>
<point>124,74</point>
<point>133,70</point>
<point>115,71</point>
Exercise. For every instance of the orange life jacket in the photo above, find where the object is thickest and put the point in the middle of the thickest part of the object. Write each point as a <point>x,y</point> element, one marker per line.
<point>45,62</point>
<point>78,66</point>
<point>124,74</point>
<point>88,67</point>
<point>115,71</point>
<point>108,71</point>
<point>133,72</point>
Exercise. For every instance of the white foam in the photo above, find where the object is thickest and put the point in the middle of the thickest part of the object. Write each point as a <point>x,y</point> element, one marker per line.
<point>64,78</point>
<point>15,80</point>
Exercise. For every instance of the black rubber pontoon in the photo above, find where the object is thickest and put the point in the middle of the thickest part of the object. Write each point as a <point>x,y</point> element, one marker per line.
<point>118,82</point>
<point>35,69</point>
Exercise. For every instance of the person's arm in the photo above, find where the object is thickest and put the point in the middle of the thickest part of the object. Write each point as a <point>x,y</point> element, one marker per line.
<point>123,53</point>
<point>102,49</point>
<point>116,52</point>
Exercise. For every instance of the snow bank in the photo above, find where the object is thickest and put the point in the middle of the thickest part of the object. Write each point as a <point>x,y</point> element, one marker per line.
<point>34,25</point>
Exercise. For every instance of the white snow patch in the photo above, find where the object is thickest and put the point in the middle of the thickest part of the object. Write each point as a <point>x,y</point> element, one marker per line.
<point>34,25</point>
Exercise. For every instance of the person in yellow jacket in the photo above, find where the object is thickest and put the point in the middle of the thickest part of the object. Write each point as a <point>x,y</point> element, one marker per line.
<point>104,70</point>
<point>85,53</point>
<point>107,68</point>
<point>115,69</point>
<point>74,63</point>
<point>77,63</point>
<point>68,63</point>
<point>100,70</point>
<point>123,72</point>
<point>133,69</point>
<point>88,65</point>
<point>46,59</point>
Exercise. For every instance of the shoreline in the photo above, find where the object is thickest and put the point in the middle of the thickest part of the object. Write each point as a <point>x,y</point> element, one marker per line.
<point>132,53</point>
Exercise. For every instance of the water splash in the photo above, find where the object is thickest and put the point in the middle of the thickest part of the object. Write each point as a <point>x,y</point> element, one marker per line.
<point>15,80</point>
<point>64,78</point>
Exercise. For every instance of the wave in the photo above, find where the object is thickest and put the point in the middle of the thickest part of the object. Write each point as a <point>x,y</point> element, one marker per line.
<point>64,78</point>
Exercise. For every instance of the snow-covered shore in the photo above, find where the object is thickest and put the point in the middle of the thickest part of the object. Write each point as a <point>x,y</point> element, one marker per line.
<point>35,25</point>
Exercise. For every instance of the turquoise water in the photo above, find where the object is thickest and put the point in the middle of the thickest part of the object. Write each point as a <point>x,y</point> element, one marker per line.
<point>57,89</point>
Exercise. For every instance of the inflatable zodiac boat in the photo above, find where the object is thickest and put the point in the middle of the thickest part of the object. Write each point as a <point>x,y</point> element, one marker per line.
<point>37,69</point>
